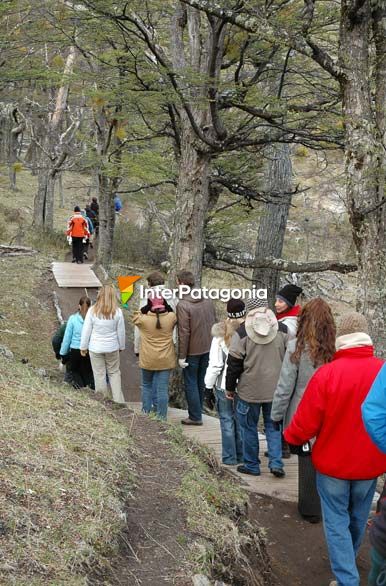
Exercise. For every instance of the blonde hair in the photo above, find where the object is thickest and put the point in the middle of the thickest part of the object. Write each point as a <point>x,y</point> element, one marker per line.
<point>231,326</point>
<point>106,304</point>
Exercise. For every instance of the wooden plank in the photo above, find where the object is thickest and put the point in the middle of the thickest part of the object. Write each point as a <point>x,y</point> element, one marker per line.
<point>72,275</point>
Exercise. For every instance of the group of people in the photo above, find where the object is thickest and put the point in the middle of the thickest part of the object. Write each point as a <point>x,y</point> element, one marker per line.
<point>92,340</point>
<point>310,379</point>
<point>80,229</point>
<point>318,386</point>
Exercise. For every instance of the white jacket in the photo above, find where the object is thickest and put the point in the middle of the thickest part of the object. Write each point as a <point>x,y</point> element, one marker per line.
<point>292,324</point>
<point>103,335</point>
<point>218,354</point>
<point>173,304</point>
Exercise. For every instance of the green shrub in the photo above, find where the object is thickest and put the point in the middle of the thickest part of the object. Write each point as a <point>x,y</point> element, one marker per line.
<point>135,244</point>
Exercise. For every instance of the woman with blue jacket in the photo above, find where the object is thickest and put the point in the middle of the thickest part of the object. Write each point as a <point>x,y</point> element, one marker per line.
<point>80,366</point>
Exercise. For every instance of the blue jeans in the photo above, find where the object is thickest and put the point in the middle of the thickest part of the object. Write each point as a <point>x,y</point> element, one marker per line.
<point>377,576</point>
<point>232,449</point>
<point>155,381</point>
<point>346,506</point>
<point>248,416</point>
<point>194,376</point>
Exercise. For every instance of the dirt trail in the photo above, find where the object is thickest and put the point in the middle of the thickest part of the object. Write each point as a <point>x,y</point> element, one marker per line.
<point>155,544</point>
<point>297,548</point>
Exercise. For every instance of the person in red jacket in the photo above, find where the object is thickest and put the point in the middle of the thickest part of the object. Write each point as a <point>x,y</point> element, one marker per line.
<point>346,460</point>
<point>78,230</point>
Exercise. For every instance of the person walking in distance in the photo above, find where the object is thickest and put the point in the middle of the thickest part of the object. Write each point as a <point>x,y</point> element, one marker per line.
<point>313,346</point>
<point>94,207</point>
<point>195,320</point>
<point>157,356</point>
<point>346,460</point>
<point>80,366</point>
<point>254,361</point>
<point>232,451</point>
<point>77,229</point>
<point>103,336</point>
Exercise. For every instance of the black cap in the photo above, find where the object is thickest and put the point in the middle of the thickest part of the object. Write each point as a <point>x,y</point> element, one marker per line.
<point>76,209</point>
<point>235,308</point>
<point>289,294</point>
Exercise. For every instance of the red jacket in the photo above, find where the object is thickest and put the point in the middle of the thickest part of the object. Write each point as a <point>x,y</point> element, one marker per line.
<point>78,227</point>
<point>330,410</point>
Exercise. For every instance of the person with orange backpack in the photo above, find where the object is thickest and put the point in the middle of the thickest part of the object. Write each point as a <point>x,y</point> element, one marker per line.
<point>77,229</point>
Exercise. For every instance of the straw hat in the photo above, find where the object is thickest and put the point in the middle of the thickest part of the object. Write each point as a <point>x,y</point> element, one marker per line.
<point>261,325</point>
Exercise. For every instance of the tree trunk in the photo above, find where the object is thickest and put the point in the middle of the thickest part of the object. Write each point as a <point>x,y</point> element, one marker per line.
<point>60,190</point>
<point>190,52</point>
<point>106,222</point>
<point>362,161</point>
<point>44,199</point>
<point>192,199</point>
<point>270,237</point>
<point>51,154</point>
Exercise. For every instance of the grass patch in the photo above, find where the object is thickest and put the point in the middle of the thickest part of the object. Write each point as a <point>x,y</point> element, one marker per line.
<point>28,317</point>
<point>217,513</point>
<point>65,467</point>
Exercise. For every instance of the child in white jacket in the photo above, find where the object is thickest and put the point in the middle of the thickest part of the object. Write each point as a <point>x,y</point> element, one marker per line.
<point>222,333</point>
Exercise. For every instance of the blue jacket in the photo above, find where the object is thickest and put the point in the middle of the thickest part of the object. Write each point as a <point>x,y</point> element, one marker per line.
<point>117,203</point>
<point>89,222</point>
<point>374,411</point>
<point>72,334</point>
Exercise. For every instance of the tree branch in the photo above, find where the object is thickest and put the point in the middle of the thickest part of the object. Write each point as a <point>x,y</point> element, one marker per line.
<point>286,266</point>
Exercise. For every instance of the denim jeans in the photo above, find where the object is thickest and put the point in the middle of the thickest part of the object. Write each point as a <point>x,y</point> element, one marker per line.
<point>232,449</point>
<point>377,576</point>
<point>248,416</point>
<point>346,506</point>
<point>194,376</point>
<point>155,381</point>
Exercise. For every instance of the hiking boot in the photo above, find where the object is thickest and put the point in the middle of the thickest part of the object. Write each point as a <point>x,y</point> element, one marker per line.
<point>245,470</point>
<point>73,260</point>
<point>278,472</point>
<point>85,255</point>
<point>190,422</point>
<point>314,519</point>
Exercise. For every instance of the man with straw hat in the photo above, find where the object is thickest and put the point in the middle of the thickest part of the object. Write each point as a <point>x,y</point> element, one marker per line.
<point>255,356</point>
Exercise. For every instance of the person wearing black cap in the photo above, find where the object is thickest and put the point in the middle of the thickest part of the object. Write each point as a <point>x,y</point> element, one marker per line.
<point>232,450</point>
<point>286,310</point>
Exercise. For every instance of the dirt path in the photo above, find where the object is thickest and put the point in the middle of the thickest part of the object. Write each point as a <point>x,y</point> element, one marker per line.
<point>297,548</point>
<point>155,543</point>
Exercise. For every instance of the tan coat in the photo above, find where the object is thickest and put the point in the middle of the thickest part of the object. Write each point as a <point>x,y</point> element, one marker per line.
<point>156,351</point>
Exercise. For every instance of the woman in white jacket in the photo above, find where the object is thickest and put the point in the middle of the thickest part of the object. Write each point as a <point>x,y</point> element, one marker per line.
<point>222,333</point>
<point>103,336</point>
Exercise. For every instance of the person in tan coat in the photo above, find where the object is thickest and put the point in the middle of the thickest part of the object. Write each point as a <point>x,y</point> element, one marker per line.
<point>157,356</point>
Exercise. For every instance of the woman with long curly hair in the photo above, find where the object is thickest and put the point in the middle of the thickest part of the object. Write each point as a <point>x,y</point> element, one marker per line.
<point>313,347</point>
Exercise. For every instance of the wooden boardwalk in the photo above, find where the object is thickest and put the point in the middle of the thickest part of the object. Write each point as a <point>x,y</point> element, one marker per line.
<point>210,435</point>
<point>68,274</point>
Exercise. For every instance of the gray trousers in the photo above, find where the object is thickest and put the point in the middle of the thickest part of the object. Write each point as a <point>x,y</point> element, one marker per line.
<point>107,363</point>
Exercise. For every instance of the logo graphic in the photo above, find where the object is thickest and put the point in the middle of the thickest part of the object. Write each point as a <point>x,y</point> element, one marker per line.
<point>126,287</point>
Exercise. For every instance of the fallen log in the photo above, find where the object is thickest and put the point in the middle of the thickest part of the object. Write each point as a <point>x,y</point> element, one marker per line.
<point>14,250</point>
